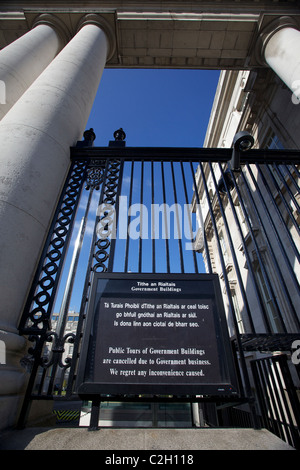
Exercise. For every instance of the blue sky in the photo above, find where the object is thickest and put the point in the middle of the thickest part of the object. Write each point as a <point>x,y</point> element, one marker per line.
<point>167,108</point>
<point>155,107</point>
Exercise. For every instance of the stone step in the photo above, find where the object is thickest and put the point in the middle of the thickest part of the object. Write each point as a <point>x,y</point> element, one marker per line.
<point>141,439</point>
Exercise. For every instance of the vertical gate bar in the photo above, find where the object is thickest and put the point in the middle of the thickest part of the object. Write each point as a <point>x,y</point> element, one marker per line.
<point>152,218</point>
<point>41,384</point>
<point>94,420</point>
<point>278,212</point>
<point>237,369</point>
<point>286,205</point>
<point>235,262</point>
<point>246,252</point>
<point>140,251</point>
<point>62,377</point>
<point>166,224</point>
<point>77,343</point>
<point>203,229</point>
<point>179,228</point>
<point>188,215</point>
<point>274,257</point>
<point>282,179</point>
<point>261,263</point>
<point>128,217</point>
<point>227,286</point>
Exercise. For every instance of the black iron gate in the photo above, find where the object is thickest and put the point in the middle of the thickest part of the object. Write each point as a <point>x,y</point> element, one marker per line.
<point>171,210</point>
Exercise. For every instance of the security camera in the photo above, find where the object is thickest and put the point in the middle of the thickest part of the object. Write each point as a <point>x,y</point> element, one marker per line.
<point>242,142</point>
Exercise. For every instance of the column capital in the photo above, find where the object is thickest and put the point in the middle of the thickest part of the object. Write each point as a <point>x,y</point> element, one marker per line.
<point>57,24</point>
<point>268,31</point>
<point>107,28</point>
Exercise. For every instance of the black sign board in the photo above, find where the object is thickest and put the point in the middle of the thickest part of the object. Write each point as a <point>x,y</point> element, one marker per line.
<point>156,334</point>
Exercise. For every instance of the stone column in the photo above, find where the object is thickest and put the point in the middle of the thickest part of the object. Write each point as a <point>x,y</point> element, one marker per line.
<point>22,61</point>
<point>280,50</point>
<point>36,135</point>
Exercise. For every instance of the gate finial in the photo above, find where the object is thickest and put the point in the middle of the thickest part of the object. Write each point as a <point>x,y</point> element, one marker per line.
<point>120,137</point>
<point>119,134</point>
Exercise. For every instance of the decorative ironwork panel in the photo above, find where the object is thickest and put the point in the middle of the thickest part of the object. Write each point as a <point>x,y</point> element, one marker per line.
<point>38,309</point>
<point>106,216</point>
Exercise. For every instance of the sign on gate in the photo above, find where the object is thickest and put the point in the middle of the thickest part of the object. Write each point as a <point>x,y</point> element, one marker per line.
<point>156,334</point>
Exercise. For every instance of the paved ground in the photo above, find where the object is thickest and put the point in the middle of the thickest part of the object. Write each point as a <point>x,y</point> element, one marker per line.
<point>140,439</point>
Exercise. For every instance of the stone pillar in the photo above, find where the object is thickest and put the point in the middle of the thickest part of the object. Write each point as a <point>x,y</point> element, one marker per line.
<point>22,61</point>
<point>36,135</point>
<point>280,50</point>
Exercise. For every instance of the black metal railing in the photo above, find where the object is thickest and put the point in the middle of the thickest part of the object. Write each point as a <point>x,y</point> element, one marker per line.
<point>277,397</point>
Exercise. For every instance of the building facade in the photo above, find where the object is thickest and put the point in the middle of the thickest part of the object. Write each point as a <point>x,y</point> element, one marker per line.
<point>47,94</point>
